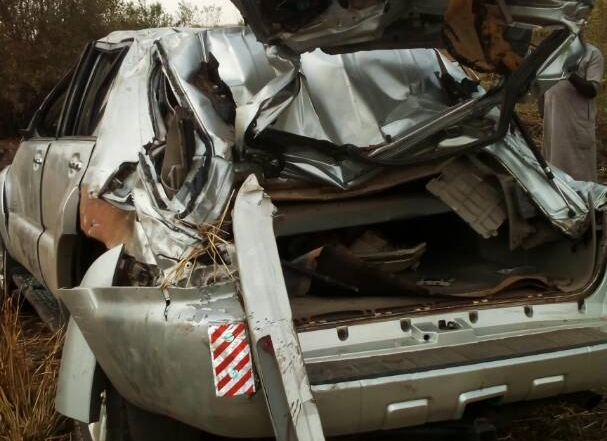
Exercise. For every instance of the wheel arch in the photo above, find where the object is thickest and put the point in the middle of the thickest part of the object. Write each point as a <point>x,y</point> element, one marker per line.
<point>81,379</point>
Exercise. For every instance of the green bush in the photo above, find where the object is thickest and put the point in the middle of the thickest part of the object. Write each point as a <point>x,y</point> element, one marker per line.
<point>39,39</point>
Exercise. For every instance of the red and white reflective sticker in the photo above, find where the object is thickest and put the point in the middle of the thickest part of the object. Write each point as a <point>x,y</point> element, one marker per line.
<point>231,356</point>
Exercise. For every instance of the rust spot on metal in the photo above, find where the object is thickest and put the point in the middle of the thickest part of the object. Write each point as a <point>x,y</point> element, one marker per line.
<point>103,222</point>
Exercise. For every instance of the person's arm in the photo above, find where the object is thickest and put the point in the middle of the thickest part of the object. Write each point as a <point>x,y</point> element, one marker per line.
<point>589,85</point>
<point>588,89</point>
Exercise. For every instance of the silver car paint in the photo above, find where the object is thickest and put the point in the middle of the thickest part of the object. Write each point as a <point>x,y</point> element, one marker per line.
<point>138,346</point>
<point>60,197</point>
<point>24,178</point>
<point>279,361</point>
<point>128,346</point>
<point>77,397</point>
<point>378,81</point>
<point>163,363</point>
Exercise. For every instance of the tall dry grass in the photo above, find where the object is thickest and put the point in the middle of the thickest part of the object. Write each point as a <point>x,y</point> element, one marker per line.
<point>29,361</point>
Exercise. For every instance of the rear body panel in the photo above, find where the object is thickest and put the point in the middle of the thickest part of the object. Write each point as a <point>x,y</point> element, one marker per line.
<point>381,377</point>
<point>397,372</point>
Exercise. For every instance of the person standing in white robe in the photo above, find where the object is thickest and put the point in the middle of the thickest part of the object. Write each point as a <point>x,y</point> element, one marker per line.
<point>570,112</point>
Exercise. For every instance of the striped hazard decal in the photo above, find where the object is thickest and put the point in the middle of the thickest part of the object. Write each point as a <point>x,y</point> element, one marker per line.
<point>231,356</point>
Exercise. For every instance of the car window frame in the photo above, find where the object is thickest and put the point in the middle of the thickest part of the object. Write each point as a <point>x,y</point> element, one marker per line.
<point>88,101</point>
<point>81,82</point>
<point>61,88</point>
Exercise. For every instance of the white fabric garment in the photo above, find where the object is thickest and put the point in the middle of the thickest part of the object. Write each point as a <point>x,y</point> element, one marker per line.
<point>570,121</point>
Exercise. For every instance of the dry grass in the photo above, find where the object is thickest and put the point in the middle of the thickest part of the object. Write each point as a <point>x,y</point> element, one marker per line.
<point>213,237</point>
<point>29,361</point>
<point>560,422</point>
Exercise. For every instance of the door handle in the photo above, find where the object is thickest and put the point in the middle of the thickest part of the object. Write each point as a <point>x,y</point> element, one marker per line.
<point>38,158</point>
<point>74,164</point>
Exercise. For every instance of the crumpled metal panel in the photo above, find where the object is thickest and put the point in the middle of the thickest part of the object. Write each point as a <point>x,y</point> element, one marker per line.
<point>242,66</point>
<point>127,108</point>
<point>162,362</point>
<point>518,160</point>
<point>165,238</point>
<point>278,355</point>
<point>361,98</point>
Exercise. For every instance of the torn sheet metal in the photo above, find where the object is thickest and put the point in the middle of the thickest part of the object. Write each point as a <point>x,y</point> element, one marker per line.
<point>278,356</point>
<point>365,98</point>
<point>299,190</point>
<point>129,96</point>
<point>382,96</point>
<point>272,99</point>
<point>129,103</point>
<point>520,163</point>
<point>137,346</point>
<point>231,359</point>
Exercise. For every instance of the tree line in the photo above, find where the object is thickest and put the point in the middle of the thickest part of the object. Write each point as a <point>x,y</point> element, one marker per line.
<point>40,39</point>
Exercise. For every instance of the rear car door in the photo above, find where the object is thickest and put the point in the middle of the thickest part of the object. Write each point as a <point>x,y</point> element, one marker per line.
<point>67,159</point>
<point>24,180</point>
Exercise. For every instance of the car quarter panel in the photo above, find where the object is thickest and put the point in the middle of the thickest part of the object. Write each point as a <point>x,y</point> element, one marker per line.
<point>158,357</point>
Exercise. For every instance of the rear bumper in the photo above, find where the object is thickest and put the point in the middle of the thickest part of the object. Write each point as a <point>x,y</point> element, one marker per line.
<point>164,365</point>
<point>442,394</point>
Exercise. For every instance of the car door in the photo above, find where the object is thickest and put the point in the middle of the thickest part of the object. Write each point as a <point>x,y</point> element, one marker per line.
<point>67,159</point>
<point>24,180</point>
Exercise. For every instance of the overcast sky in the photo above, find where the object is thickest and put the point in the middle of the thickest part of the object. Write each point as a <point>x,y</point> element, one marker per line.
<point>231,14</point>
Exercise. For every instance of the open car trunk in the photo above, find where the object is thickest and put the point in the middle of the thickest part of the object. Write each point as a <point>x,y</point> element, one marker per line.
<point>452,234</point>
<point>401,185</point>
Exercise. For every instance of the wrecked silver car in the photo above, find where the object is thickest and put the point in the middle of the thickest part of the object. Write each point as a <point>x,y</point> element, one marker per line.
<point>311,227</point>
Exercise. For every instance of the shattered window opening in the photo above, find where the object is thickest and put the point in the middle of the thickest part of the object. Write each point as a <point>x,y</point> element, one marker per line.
<point>94,99</point>
<point>52,113</point>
